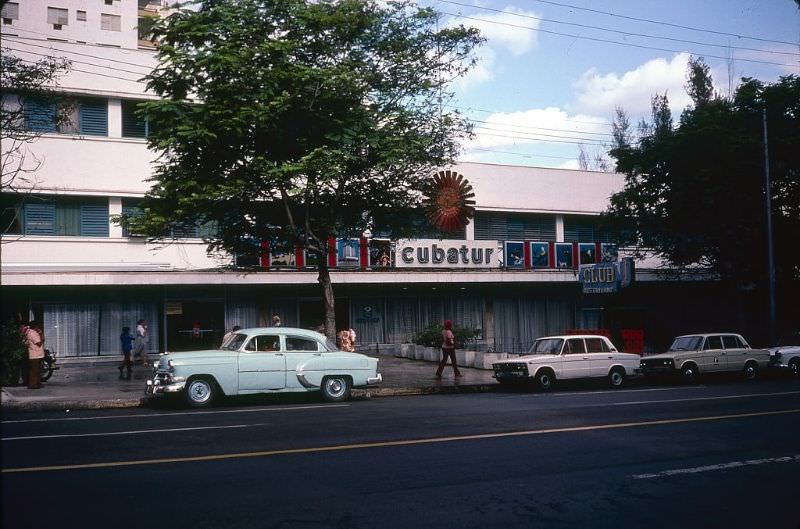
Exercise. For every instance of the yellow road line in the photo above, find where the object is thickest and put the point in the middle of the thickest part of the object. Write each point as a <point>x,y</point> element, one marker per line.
<point>407,442</point>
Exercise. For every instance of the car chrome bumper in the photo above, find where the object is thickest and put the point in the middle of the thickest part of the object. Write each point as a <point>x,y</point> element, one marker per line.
<point>155,388</point>
<point>374,381</point>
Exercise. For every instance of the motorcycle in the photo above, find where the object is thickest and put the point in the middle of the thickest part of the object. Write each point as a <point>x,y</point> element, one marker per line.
<point>48,364</point>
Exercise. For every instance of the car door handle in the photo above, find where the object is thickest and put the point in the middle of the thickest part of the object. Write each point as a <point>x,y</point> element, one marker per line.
<point>723,354</point>
<point>585,357</point>
<point>278,354</point>
<point>611,357</point>
<point>317,354</point>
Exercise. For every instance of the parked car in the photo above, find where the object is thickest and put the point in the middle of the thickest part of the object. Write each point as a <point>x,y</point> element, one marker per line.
<point>568,357</point>
<point>786,355</point>
<point>695,354</point>
<point>263,360</point>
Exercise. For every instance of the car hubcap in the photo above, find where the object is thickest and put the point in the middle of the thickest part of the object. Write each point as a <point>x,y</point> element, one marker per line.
<point>795,367</point>
<point>688,374</point>
<point>335,387</point>
<point>544,381</point>
<point>750,372</point>
<point>616,379</point>
<point>199,391</point>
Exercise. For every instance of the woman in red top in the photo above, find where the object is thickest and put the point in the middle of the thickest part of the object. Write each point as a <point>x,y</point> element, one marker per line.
<point>35,342</point>
<point>448,350</point>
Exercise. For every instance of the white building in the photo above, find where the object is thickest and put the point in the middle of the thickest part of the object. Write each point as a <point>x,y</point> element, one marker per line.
<point>67,264</point>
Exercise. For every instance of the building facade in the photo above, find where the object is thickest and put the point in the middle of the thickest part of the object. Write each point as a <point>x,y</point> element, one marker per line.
<point>514,274</point>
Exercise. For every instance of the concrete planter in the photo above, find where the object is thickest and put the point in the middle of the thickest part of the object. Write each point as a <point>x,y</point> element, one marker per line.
<point>465,358</point>
<point>406,350</point>
<point>388,349</point>
<point>433,354</point>
<point>485,360</point>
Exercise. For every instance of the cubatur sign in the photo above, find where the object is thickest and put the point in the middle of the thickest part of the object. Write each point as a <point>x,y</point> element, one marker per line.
<point>606,278</point>
<point>436,253</point>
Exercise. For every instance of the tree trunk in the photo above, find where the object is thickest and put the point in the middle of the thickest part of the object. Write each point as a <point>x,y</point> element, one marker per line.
<point>325,284</point>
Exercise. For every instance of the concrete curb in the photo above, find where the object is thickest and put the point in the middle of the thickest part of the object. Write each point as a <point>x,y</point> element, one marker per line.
<point>12,404</point>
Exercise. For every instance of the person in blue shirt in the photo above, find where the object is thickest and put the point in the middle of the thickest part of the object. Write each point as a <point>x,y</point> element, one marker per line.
<point>126,340</point>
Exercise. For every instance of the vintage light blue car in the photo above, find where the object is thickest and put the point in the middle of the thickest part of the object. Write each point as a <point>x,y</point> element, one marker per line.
<point>264,360</point>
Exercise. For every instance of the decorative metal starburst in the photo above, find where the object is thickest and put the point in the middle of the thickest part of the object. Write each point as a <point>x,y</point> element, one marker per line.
<point>450,202</point>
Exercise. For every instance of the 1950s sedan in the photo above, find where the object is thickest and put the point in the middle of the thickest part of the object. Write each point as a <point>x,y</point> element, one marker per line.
<point>263,360</point>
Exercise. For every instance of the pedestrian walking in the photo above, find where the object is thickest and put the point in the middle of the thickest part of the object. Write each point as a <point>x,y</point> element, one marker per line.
<point>126,342</point>
<point>34,338</point>
<point>448,350</point>
<point>140,343</point>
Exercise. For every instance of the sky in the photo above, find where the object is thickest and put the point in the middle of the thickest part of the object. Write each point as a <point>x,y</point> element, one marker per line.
<point>552,72</point>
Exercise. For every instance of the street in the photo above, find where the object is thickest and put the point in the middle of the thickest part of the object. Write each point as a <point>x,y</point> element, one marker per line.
<point>724,453</point>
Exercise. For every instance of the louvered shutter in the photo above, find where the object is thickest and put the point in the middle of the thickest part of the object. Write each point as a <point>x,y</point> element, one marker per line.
<point>94,117</point>
<point>94,221</point>
<point>40,116</point>
<point>500,226</point>
<point>40,219</point>
<point>132,127</point>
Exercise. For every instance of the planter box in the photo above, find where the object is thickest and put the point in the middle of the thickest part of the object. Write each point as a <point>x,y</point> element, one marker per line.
<point>485,360</point>
<point>432,354</point>
<point>388,349</point>
<point>465,358</point>
<point>406,350</point>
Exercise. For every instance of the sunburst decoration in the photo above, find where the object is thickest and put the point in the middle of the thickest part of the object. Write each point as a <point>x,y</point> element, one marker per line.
<point>449,202</point>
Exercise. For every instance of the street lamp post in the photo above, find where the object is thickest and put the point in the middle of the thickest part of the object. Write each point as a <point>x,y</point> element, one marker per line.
<point>770,259</point>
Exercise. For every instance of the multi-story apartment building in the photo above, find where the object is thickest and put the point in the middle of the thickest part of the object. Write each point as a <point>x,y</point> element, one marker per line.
<point>514,273</point>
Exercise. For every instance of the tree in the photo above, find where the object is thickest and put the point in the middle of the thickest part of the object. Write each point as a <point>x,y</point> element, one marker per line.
<point>299,121</point>
<point>694,193</point>
<point>23,81</point>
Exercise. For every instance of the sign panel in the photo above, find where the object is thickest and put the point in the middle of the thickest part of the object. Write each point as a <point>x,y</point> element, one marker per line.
<point>439,253</point>
<point>606,278</point>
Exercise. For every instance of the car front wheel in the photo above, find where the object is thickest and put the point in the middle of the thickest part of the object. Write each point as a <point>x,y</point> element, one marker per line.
<point>545,380</point>
<point>689,374</point>
<point>200,392</point>
<point>794,367</point>
<point>336,388</point>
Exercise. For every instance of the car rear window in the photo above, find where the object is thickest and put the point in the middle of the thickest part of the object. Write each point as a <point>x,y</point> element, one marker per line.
<point>596,345</point>
<point>732,342</point>
<point>301,344</point>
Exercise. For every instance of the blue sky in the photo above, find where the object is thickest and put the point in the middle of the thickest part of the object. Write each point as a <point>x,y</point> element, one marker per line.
<point>533,83</point>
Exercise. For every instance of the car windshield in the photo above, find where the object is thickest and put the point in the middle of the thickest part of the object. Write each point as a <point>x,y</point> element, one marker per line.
<point>686,343</point>
<point>234,343</point>
<point>547,346</point>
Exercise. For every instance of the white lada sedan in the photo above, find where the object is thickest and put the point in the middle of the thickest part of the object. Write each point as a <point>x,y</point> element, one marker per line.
<point>568,357</point>
<point>263,360</point>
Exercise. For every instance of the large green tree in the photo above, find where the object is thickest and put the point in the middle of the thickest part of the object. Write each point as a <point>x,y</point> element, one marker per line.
<point>695,191</point>
<point>299,120</point>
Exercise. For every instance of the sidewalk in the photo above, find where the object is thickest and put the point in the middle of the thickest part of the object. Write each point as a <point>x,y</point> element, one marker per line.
<point>97,385</point>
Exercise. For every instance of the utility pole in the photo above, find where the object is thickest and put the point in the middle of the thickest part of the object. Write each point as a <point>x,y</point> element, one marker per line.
<point>770,259</point>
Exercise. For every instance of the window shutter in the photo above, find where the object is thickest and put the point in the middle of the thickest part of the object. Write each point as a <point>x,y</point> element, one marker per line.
<point>94,221</point>
<point>110,22</point>
<point>94,117</point>
<point>131,126</point>
<point>500,226</point>
<point>585,230</point>
<point>10,11</point>
<point>57,16</point>
<point>40,219</point>
<point>489,226</point>
<point>40,116</point>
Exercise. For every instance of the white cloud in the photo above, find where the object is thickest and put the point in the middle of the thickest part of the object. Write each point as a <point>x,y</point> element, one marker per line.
<point>543,126</point>
<point>501,38</point>
<point>569,164</point>
<point>600,94</point>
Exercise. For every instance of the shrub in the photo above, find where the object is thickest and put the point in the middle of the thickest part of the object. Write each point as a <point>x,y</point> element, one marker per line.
<point>14,353</point>
<point>431,336</point>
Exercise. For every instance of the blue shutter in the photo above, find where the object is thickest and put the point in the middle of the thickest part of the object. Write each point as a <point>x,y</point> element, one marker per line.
<point>94,117</point>
<point>40,116</point>
<point>132,127</point>
<point>94,221</point>
<point>40,219</point>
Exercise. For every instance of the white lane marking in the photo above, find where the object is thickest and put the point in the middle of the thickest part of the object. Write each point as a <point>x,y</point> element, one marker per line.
<point>129,432</point>
<point>189,413</point>
<point>617,392</point>
<point>720,466</point>
<point>632,403</point>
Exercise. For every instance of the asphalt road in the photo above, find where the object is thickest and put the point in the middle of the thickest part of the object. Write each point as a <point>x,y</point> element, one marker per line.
<point>722,454</point>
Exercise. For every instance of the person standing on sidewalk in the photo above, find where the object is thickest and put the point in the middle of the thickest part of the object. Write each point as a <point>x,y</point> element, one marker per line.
<point>140,343</point>
<point>35,341</point>
<point>126,340</point>
<point>448,350</point>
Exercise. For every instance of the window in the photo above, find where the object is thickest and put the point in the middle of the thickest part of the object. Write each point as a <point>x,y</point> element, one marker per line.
<point>585,229</point>
<point>713,342</point>
<point>264,343</point>
<point>132,126</point>
<point>67,116</point>
<point>596,345</point>
<point>575,346</point>
<point>84,217</point>
<point>301,344</point>
<point>10,12</point>
<point>502,226</point>
<point>109,2</point>
<point>57,16</point>
<point>110,22</point>
<point>732,342</point>
<point>80,15</point>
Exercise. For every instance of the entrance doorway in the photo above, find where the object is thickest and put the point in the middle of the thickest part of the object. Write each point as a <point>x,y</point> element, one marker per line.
<point>312,313</point>
<point>195,325</point>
